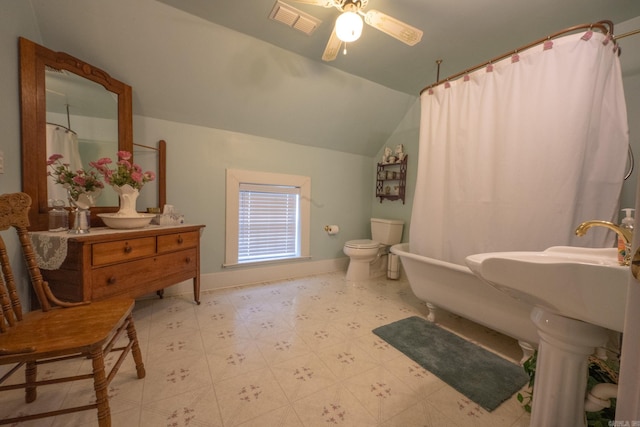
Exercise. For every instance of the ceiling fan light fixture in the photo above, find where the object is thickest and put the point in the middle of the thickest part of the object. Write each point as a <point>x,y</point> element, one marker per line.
<point>349,27</point>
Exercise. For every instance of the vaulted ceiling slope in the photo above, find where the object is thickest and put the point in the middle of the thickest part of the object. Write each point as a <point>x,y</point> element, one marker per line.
<point>462,33</point>
<point>223,64</point>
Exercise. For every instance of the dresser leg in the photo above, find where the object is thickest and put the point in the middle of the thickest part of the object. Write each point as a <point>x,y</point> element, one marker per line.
<point>196,289</point>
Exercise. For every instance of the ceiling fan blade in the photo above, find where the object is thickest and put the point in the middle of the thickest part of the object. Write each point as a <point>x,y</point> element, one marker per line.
<point>333,47</point>
<point>323,3</point>
<point>393,27</point>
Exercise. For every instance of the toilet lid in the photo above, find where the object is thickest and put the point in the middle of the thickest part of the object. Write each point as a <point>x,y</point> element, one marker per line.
<point>362,244</point>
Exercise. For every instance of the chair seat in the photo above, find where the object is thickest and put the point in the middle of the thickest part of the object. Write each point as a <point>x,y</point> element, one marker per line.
<point>58,331</point>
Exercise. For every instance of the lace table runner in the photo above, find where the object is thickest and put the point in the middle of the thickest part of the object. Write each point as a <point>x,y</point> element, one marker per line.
<point>50,249</point>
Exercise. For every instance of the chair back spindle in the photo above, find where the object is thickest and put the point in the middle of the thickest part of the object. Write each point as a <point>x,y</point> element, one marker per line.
<point>14,212</point>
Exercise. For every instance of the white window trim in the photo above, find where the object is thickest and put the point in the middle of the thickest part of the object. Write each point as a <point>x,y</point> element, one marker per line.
<point>233,180</point>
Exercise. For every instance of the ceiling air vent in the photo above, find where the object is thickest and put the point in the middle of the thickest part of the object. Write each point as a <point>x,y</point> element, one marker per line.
<point>294,18</point>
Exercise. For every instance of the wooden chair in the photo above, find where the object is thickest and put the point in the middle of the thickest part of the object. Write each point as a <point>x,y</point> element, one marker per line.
<point>59,331</point>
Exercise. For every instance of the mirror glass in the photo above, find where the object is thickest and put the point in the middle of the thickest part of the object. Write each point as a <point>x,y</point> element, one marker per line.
<point>82,125</point>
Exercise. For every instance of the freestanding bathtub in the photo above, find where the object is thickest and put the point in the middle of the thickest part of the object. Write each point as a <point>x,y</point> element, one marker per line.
<point>456,289</point>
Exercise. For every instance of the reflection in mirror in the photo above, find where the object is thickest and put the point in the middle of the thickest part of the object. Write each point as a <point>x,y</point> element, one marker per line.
<point>82,126</point>
<point>152,159</point>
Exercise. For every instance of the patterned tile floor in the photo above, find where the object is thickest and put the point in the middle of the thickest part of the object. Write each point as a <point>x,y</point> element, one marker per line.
<point>294,353</point>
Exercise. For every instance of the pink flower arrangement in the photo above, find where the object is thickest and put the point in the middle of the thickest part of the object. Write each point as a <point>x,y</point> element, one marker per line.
<point>124,173</point>
<point>76,182</point>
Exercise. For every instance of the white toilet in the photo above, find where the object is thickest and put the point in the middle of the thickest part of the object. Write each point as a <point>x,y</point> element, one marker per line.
<point>364,253</point>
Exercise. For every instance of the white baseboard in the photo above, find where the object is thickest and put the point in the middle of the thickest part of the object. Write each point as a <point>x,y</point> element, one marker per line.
<point>235,277</point>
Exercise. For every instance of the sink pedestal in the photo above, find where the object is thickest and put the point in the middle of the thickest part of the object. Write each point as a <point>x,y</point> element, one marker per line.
<point>562,368</point>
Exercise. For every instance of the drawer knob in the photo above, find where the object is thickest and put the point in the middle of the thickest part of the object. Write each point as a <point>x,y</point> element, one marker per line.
<point>180,240</point>
<point>188,260</point>
<point>128,249</point>
<point>111,280</point>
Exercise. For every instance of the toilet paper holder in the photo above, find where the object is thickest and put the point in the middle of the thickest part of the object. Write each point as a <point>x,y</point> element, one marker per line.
<point>331,229</point>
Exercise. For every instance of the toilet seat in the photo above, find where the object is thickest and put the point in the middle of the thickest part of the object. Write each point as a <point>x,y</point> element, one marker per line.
<point>362,244</point>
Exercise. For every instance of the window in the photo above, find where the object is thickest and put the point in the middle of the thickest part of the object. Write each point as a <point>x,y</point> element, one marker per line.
<point>267,217</point>
<point>268,222</point>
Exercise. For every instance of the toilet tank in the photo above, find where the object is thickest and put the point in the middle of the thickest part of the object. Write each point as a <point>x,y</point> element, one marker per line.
<point>386,231</point>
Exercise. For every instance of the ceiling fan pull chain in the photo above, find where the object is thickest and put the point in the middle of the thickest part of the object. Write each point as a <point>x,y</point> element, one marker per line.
<point>344,52</point>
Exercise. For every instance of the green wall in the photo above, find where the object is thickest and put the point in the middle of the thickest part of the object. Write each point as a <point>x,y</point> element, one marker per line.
<point>15,19</point>
<point>407,134</point>
<point>197,160</point>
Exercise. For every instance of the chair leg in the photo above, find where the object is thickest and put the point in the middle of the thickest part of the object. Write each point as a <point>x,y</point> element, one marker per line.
<point>30,374</point>
<point>135,348</point>
<point>100,385</point>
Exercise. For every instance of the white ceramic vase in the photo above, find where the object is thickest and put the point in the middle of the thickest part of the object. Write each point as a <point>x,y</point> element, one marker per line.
<point>128,196</point>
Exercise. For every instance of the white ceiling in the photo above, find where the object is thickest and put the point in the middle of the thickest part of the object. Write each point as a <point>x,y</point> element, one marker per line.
<point>463,33</point>
<point>224,64</point>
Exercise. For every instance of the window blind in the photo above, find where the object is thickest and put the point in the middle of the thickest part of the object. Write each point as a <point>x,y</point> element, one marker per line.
<point>268,222</point>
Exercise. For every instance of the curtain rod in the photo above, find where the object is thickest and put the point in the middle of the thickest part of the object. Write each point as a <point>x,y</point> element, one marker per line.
<point>146,146</point>
<point>630,33</point>
<point>66,129</point>
<point>606,27</point>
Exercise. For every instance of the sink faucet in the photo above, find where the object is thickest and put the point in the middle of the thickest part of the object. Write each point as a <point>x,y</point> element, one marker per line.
<point>622,232</point>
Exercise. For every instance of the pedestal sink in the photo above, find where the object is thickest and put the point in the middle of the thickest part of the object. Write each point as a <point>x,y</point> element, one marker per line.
<point>578,293</point>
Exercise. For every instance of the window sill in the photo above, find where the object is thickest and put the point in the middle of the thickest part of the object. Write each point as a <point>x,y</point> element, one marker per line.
<point>269,262</point>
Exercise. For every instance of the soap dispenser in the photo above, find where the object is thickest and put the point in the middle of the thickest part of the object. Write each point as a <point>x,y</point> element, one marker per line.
<point>628,223</point>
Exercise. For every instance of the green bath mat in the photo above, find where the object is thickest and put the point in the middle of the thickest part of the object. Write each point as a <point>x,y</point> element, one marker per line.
<point>480,375</point>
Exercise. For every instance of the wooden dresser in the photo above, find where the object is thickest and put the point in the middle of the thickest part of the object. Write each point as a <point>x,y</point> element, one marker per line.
<point>106,262</point>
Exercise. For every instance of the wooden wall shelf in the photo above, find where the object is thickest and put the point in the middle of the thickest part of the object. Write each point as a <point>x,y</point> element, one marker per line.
<point>391,180</point>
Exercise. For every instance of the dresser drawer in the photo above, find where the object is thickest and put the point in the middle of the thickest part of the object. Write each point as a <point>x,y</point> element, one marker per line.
<point>177,241</point>
<point>142,276</point>
<point>122,250</point>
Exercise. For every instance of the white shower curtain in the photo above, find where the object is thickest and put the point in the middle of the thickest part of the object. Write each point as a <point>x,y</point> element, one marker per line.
<point>61,141</point>
<point>515,156</point>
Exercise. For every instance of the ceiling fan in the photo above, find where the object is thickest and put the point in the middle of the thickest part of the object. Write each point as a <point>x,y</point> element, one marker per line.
<point>348,26</point>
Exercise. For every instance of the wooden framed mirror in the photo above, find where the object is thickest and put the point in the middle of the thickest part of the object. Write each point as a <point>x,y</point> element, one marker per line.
<point>51,84</point>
